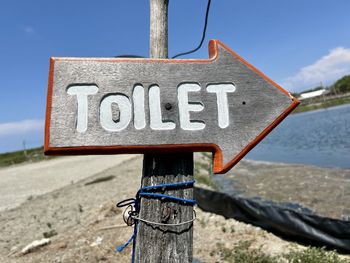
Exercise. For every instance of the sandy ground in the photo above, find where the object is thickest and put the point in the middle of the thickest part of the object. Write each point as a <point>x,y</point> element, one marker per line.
<point>326,191</point>
<point>20,182</point>
<point>75,215</point>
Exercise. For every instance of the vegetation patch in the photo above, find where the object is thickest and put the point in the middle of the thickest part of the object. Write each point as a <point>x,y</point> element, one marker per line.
<point>203,171</point>
<point>243,253</point>
<point>206,180</point>
<point>314,255</point>
<point>336,94</point>
<point>327,104</point>
<point>31,155</point>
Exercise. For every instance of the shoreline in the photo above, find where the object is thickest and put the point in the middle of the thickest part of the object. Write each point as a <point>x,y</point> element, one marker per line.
<point>326,191</point>
<point>295,164</point>
<point>321,109</point>
<point>330,103</point>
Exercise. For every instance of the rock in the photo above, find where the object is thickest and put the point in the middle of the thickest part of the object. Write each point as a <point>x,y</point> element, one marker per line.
<point>62,245</point>
<point>97,242</point>
<point>50,233</point>
<point>35,245</point>
<point>102,258</point>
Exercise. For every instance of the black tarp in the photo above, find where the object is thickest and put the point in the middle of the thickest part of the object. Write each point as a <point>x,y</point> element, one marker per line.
<point>300,226</point>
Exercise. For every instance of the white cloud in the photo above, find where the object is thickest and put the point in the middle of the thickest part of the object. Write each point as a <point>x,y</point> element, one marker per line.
<point>20,127</point>
<point>327,69</point>
<point>28,29</point>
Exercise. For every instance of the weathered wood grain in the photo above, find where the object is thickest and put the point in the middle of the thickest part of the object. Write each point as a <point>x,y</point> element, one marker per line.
<point>159,28</point>
<point>165,244</point>
<point>256,106</point>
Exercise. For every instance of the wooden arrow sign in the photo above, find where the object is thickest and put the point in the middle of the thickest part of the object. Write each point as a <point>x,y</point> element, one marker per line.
<point>108,105</point>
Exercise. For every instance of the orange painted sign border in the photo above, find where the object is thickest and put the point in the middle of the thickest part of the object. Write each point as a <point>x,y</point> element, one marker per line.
<point>218,166</point>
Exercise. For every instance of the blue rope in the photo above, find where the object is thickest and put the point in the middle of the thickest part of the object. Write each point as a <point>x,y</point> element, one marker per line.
<point>151,192</point>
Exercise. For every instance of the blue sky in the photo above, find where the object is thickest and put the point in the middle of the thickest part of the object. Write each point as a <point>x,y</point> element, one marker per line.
<point>296,43</point>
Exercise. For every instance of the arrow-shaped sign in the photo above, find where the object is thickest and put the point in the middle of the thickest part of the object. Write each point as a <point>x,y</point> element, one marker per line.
<point>108,105</point>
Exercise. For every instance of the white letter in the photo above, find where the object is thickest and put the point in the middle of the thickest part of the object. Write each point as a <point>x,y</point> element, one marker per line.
<point>106,114</point>
<point>156,121</point>
<point>139,107</point>
<point>82,92</point>
<point>221,91</point>
<point>185,107</point>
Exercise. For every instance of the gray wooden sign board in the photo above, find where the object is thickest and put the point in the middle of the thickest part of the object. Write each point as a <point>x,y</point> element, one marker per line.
<point>108,105</point>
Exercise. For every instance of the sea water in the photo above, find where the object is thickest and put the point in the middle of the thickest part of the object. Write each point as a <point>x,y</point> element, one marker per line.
<point>320,138</point>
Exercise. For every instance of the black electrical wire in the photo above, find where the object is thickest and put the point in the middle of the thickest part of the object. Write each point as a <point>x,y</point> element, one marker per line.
<point>128,56</point>
<point>203,35</point>
<point>184,53</point>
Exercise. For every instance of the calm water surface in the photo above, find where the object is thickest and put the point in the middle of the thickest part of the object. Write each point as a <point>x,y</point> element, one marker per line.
<point>319,138</point>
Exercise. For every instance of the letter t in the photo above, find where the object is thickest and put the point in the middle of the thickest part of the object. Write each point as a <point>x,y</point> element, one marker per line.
<point>82,92</point>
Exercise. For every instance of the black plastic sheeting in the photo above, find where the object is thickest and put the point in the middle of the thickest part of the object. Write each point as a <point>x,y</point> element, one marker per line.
<point>307,228</point>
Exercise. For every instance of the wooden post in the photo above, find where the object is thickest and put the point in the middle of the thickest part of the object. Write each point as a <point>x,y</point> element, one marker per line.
<point>159,28</point>
<point>158,243</point>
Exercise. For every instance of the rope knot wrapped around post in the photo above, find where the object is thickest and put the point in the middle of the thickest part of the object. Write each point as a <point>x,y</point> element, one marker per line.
<point>131,214</point>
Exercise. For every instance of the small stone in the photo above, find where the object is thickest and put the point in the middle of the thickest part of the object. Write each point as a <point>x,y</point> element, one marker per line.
<point>97,242</point>
<point>35,245</point>
<point>62,245</point>
<point>50,233</point>
<point>103,258</point>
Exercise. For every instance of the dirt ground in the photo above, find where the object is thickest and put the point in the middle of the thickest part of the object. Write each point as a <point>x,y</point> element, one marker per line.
<point>77,217</point>
<point>325,191</point>
<point>19,182</point>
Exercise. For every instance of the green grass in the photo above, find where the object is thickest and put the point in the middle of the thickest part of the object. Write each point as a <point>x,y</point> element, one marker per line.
<point>206,180</point>
<point>202,172</point>
<point>242,253</point>
<point>314,255</point>
<point>31,155</point>
<point>322,105</point>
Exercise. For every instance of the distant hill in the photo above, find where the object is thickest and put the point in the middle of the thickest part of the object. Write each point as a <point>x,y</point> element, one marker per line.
<point>336,94</point>
<point>341,86</point>
<point>30,155</point>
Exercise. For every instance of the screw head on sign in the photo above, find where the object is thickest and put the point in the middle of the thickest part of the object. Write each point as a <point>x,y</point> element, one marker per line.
<point>168,106</point>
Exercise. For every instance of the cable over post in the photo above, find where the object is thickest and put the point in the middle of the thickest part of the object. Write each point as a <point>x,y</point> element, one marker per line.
<point>203,34</point>
<point>158,243</point>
